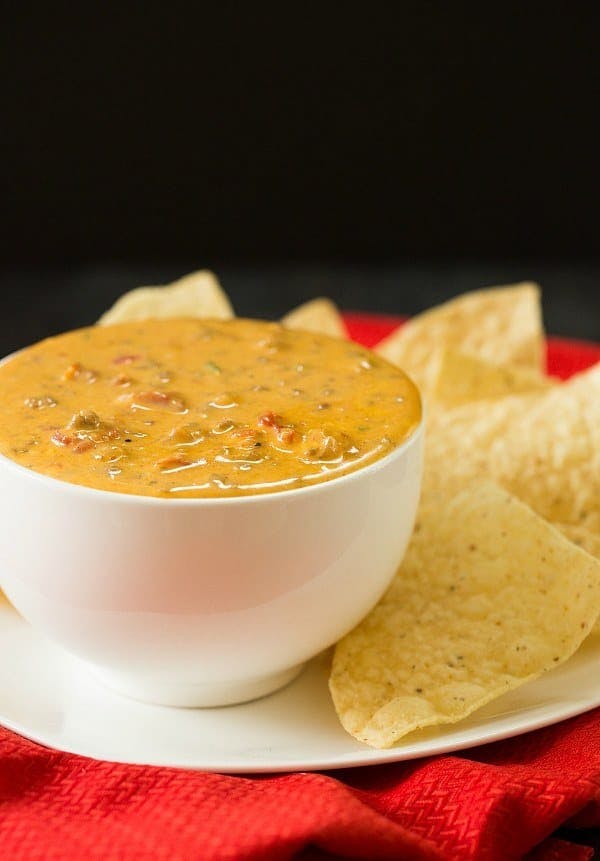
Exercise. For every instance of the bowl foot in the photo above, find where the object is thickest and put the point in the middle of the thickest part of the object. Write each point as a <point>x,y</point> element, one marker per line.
<point>202,695</point>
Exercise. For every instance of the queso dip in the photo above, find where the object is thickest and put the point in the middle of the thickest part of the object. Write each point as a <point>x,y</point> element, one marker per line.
<point>201,408</point>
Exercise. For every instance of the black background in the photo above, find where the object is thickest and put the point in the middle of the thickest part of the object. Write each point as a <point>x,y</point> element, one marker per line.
<point>290,132</point>
<point>390,155</point>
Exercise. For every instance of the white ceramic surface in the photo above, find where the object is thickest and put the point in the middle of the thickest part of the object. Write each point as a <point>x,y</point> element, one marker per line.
<point>46,696</point>
<point>203,601</point>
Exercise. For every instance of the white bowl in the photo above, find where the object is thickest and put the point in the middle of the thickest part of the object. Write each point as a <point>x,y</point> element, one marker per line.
<point>204,602</point>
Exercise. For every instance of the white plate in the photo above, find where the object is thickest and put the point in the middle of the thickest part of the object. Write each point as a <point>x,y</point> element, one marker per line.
<point>48,697</point>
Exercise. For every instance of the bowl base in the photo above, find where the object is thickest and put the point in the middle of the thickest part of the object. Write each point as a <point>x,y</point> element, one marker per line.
<point>201,695</point>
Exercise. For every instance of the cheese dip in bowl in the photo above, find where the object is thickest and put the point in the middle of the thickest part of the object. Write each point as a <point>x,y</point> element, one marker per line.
<point>196,507</point>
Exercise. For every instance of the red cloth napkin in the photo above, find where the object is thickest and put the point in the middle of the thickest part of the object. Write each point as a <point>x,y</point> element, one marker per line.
<point>501,801</point>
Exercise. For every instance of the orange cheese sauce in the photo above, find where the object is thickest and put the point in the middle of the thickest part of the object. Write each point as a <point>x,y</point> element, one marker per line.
<point>201,408</point>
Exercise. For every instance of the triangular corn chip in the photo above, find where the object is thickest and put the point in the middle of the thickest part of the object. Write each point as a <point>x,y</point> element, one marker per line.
<point>461,378</point>
<point>489,596</point>
<point>196,295</point>
<point>499,324</point>
<point>544,448</point>
<point>318,315</point>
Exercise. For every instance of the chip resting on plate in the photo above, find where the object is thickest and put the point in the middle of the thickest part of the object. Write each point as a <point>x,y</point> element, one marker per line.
<point>460,378</point>
<point>318,315</point>
<point>198,294</point>
<point>500,324</point>
<point>488,597</point>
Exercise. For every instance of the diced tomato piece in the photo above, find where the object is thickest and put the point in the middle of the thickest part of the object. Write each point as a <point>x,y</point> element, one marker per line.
<point>287,435</point>
<point>61,438</point>
<point>173,461</point>
<point>82,445</point>
<point>270,420</point>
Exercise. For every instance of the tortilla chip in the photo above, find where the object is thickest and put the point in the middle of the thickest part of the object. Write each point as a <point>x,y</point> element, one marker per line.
<point>461,378</point>
<point>458,441</point>
<point>588,541</point>
<point>544,448</point>
<point>489,597</point>
<point>550,457</point>
<point>500,324</point>
<point>318,315</point>
<point>198,294</point>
